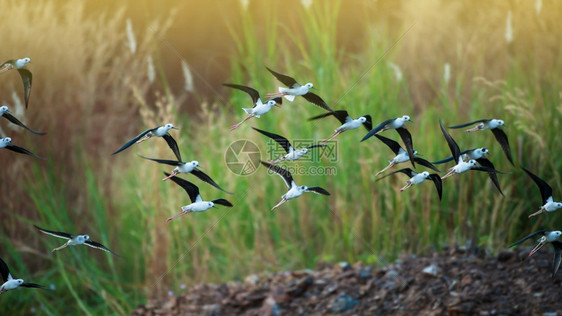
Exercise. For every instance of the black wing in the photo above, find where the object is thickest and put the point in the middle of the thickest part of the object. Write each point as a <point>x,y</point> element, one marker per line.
<point>191,189</point>
<point>468,124</point>
<point>21,150</point>
<point>493,176</point>
<point>546,190</point>
<point>316,146</point>
<point>407,171</point>
<point>377,129</point>
<point>316,100</point>
<point>254,94</point>
<point>369,122</point>
<point>557,245</point>
<point>164,161</point>
<point>537,233</point>
<point>26,78</point>
<point>284,173</point>
<point>10,62</point>
<point>173,145</point>
<point>317,190</point>
<point>408,142</point>
<point>501,137</point>
<point>14,120</point>
<point>99,246</point>
<point>222,202</point>
<point>286,80</point>
<point>4,271</point>
<point>36,286</point>
<point>426,163</point>
<point>455,150</point>
<point>54,233</point>
<point>278,138</point>
<point>394,146</point>
<point>486,169</point>
<point>134,140</point>
<point>438,183</point>
<point>341,115</point>
<point>205,178</point>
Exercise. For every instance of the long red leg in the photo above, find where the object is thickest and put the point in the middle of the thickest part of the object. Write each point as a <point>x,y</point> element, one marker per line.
<point>235,126</point>
<point>171,175</point>
<point>333,135</point>
<point>386,168</point>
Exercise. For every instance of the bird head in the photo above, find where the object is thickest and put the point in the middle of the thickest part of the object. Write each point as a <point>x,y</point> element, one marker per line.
<point>362,119</point>
<point>554,235</point>
<point>496,123</point>
<point>195,163</point>
<point>472,162</point>
<point>406,118</point>
<point>3,109</point>
<point>271,103</point>
<point>425,174</point>
<point>170,126</point>
<point>309,85</point>
<point>26,60</point>
<point>210,204</point>
<point>303,188</point>
<point>6,140</point>
<point>19,282</point>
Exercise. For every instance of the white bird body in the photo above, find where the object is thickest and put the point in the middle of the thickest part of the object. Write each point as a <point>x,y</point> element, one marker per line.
<point>5,142</point>
<point>295,154</point>
<point>260,108</point>
<point>198,206</point>
<point>163,130</point>
<point>419,178</point>
<point>398,122</point>
<point>351,124</point>
<point>78,240</point>
<point>295,191</point>
<point>186,167</point>
<point>291,93</point>
<point>11,284</point>
<point>463,166</point>
<point>401,157</point>
<point>551,205</point>
<point>20,63</point>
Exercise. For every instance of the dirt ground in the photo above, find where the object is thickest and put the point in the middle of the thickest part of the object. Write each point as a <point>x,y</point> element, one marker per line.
<point>453,282</point>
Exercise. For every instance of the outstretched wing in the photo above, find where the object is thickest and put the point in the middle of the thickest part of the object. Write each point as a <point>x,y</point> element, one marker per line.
<point>408,142</point>
<point>438,183</point>
<point>164,161</point>
<point>316,100</point>
<point>173,145</point>
<point>533,235</point>
<point>254,94</point>
<point>36,286</point>
<point>377,129</point>
<point>286,80</point>
<point>341,115</point>
<point>282,172</point>
<point>134,140</point>
<point>205,178</point>
<point>62,235</point>
<point>14,120</point>
<point>426,163</point>
<point>4,271</point>
<point>222,202</point>
<point>493,176</point>
<point>317,190</point>
<point>468,124</point>
<point>501,137</point>
<point>546,190</point>
<point>99,246</point>
<point>191,189</point>
<point>393,145</point>
<point>26,78</point>
<point>557,257</point>
<point>407,171</point>
<point>278,138</point>
<point>21,150</point>
<point>455,150</point>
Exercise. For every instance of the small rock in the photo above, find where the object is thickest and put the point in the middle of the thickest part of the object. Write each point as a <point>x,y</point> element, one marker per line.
<point>343,303</point>
<point>252,279</point>
<point>391,274</point>
<point>431,270</point>
<point>365,272</point>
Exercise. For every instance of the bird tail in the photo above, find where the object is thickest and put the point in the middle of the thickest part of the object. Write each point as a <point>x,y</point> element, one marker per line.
<point>247,110</point>
<point>289,97</point>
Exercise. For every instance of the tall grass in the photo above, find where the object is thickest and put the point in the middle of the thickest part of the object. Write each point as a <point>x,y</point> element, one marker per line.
<point>121,202</point>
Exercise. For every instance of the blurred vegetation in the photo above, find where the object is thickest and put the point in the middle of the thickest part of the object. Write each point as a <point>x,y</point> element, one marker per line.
<point>92,92</point>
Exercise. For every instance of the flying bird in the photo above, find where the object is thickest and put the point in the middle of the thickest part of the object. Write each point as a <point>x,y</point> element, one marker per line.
<point>7,143</point>
<point>187,167</point>
<point>25,74</point>
<point>348,123</point>
<point>4,112</point>
<point>161,131</point>
<point>295,89</point>
<point>197,203</point>
<point>294,190</point>
<point>552,237</point>
<point>401,155</point>
<point>495,126</point>
<point>292,153</point>
<point>549,205</point>
<point>75,240</point>
<point>461,166</point>
<point>9,283</point>
<point>399,125</point>
<point>478,154</point>
<point>259,108</point>
<point>417,178</point>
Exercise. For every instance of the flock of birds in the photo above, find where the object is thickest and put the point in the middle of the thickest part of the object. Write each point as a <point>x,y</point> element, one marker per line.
<point>471,159</point>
